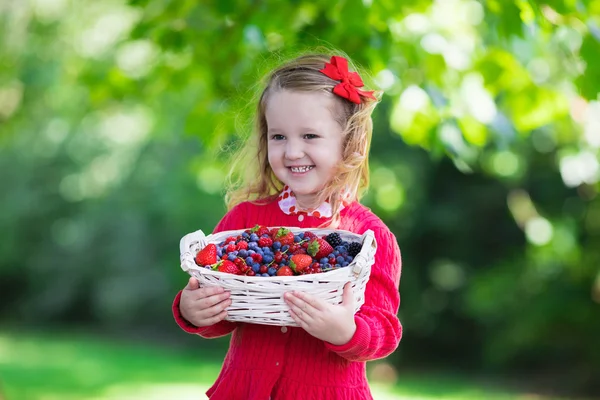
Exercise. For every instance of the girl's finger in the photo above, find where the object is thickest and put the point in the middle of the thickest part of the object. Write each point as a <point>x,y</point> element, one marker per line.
<point>298,320</point>
<point>210,301</point>
<point>311,300</point>
<point>216,309</point>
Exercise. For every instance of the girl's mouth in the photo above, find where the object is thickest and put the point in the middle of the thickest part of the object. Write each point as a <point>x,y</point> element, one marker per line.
<point>301,170</point>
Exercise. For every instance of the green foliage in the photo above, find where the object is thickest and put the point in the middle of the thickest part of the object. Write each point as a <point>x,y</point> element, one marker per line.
<point>484,160</point>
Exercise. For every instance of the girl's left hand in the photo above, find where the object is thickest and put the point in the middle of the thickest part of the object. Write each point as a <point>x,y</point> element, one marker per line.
<point>331,323</point>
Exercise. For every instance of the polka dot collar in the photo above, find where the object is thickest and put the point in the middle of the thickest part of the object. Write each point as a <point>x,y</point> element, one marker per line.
<point>289,205</point>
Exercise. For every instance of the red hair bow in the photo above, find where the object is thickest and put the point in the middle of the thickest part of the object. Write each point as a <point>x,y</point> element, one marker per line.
<point>337,69</point>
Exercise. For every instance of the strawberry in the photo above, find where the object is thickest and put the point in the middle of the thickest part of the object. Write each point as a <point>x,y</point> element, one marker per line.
<point>259,230</point>
<point>319,248</point>
<point>207,256</point>
<point>227,267</point>
<point>285,271</point>
<point>284,236</point>
<point>300,262</point>
<point>265,242</point>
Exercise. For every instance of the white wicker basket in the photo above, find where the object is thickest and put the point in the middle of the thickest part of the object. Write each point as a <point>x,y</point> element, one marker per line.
<point>259,300</point>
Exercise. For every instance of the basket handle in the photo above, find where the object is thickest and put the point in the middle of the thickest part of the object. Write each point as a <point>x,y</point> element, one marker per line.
<point>185,249</point>
<point>368,242</point>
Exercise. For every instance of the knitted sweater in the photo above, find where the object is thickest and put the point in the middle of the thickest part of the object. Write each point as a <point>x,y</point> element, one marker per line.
<point>266,361</point>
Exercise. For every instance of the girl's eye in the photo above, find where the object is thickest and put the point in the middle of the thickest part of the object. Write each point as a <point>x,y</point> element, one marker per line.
<point>310,136</point>
<point>277,137</point>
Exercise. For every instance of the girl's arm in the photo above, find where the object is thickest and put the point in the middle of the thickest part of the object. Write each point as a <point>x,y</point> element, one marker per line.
<point>234,219</point>
<point>378,329</point>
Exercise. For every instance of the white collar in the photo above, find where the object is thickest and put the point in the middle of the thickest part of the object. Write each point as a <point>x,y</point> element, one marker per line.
<point>289,205</point>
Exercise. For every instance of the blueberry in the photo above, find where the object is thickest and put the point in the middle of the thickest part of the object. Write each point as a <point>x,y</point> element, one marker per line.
<point>264,274</point>
<point>285,248</point>
<point>220,253</point>
<point>243,253</point>
<point>272,271</point>
<point>250,252</point>
<point>338,266</point>
<point>301,235</point>
<point>245,235</point>
<point>340,259</point>
<point>255,267</point>
<point>336,253</point>
<point>231,257</point>
<point>254,237</point>
<point>349,258</point>
<point>276,245</point>
<point>345,264</point>
<point>267,258</point>
<point>264,235</point>
<point>235,253</point>
<point>297,239</point>
<point>326,266</point>
<point>323,261</point>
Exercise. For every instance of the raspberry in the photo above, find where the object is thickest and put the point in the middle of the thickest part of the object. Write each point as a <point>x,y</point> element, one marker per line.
<point>334,239</point>
<point>354,249</point>
<point>265,242</point>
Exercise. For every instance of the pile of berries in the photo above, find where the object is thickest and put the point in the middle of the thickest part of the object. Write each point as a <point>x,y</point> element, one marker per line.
<point>261,251</point>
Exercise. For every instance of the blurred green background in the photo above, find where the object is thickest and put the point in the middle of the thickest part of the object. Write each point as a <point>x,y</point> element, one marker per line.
<point>115,120</point>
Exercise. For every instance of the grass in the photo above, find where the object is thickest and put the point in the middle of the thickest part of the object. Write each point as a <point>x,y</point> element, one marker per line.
<point>78,367</point>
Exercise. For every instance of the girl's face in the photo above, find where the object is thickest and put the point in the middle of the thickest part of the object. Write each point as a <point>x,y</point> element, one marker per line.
<point>304,141</point>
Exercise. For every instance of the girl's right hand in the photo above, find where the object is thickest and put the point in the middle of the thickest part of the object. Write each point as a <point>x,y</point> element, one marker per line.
<point>203,306</point>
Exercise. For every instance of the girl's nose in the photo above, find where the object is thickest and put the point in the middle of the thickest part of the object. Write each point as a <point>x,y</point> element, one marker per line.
<point>293,150</point>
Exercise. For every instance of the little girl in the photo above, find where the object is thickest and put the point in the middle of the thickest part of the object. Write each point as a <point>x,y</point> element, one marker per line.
<point>308,170</point>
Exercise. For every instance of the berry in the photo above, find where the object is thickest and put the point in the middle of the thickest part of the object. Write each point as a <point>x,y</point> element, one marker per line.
<point>227,267</point>
<point>230,239</point>
<point>354,249</point>
<point>278,257</point>
<point>262,230</point>
<point>256,257</point>
<point>263,269</point>
<point>300,262</point>
<point>207,256</point>
<point>242,245</point>
<point>309,235</point>
<point>265,242</point>
<point>319,248</point>
<point>334,239</point>
<point>230,248</point>
<point>285,271</point>
<point>284,236</point>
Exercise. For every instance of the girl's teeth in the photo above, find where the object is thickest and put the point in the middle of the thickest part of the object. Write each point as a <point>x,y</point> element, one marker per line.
<point>301,169</point>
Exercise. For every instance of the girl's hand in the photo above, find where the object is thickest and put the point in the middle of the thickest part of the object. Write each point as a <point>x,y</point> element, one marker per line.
<point>203,306</point>
<point>331,323</point>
